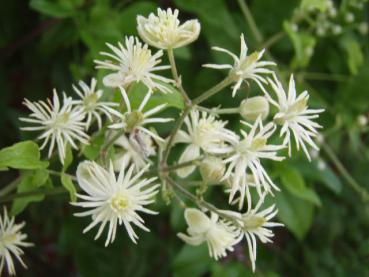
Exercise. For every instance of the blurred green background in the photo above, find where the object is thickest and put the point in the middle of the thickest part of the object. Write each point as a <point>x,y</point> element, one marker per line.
<point>324,204</point>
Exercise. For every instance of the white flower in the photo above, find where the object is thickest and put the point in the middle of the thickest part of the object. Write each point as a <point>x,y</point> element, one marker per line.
<point>246,155</point>
<point>11,241</point>
<point>164,30</point>
<point>136,150</point>
<point>114,200</point>
<point>59,124</point>
<point>91,104</point>
<point>205,133</point>
<point>133,63</point>
<point>246,67</point>
<point>256,224</point>
<point>295,116</point>
<point>219,235</point>
<point>134,120</point>
<point>242,189</point>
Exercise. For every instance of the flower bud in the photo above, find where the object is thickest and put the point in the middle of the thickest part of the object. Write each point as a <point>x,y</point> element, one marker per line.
<point>212,169</point>
<point>252,108</point>
<point>164,30</point>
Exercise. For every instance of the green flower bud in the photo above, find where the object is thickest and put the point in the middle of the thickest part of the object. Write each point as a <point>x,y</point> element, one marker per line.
<point>252,108</point>
<point>212,169</point>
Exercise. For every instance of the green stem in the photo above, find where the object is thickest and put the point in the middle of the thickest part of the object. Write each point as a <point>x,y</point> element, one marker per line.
<point>212,91</point>
<point>57,173</point>
<point>272,40</point>
<point>250,21</point>
<point>110,142</point>
<point>176,77</point>
<point>181,165</point>
<point>10,187</point>
<point>173,134</point>
<point>345,174</point>
<point>200,202</point>
<point>217,111</point>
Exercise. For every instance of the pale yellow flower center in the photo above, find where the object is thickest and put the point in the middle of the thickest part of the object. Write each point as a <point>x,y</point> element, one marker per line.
<point>133,119</point>
<point>8,239</point>
<point>250,60</point>
<point>253,222</point>
<point>119,203</point>
<point>257,144</point>
<point>61,120</point>
<point>90,101</point>
<point>292,111</point>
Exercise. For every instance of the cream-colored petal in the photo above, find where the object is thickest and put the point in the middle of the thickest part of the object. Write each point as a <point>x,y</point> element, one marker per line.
<point>190,153</point>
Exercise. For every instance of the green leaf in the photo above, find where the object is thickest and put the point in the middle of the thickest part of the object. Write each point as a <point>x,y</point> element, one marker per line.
<point>22,155</point>
<point>31,181</point>
<point>355,57</point>
<point>138,91</point>
<point>66,181</point>
<point>303,43</point>
<point>59,9</point>
<point>191,261</point>
<point>330,179</point>
<point>295,184</point>
<point>295,213</point>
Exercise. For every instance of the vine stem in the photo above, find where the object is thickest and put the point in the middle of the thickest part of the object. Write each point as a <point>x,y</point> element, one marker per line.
<point>181,165</point>
<point>200,202</point>
<point>10,187</point>
<point>217,111</point>
<point>172,136</point>
<point>176,77</point>
<point>213,90</point>
<point>344,172</point>
<point>250,20</point>
<point>57,173</point>
<point>272,40</point>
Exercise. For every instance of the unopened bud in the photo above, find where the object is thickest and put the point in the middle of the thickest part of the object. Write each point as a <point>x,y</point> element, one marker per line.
<point>252,108</point>
<point>212,169</point>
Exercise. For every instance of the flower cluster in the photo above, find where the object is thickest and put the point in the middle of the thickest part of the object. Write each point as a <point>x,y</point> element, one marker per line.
<point>131,165</point>
<point>331,19</point>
